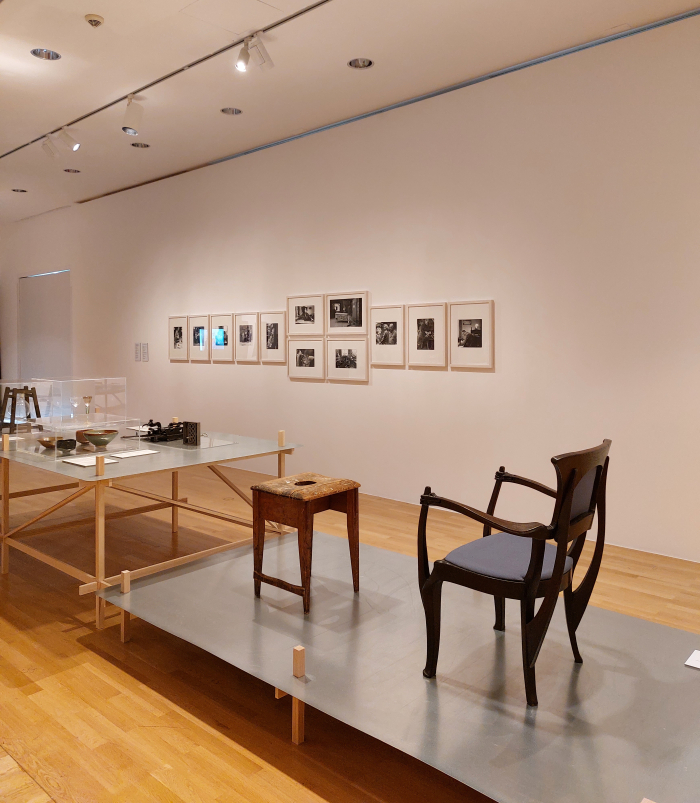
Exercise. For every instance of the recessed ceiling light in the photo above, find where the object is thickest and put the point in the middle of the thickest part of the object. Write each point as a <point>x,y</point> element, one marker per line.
<point>140,145</point>
<point>43,53</point>
<point>70,170</point>
<point>18,190</point>
<point>231,110</point>
<point>360,64</point>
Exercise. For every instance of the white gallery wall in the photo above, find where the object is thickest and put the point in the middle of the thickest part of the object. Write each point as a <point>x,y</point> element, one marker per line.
<point>569,193</point>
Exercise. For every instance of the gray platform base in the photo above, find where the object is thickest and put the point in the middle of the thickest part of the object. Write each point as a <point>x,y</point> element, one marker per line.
<point>623,726</point>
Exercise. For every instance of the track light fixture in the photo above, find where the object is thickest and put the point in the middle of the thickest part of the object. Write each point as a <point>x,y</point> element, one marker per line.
<point>49,148</point>
<point>253,48</point>
<point>132,117</point>
<point>68,140</point>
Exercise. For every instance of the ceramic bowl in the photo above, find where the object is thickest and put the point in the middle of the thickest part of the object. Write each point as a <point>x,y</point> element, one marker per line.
<point>80,437</point>
<point>48,442</point>
<point>99,438</point>
<point>66,445</point>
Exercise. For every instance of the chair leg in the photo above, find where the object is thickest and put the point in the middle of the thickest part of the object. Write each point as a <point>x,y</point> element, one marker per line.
<point>569,608</point>
<point>527,613</point>
<point>431,594</point>
<point>306,539</point>
<point>500,604</point>
<point>258,542</point>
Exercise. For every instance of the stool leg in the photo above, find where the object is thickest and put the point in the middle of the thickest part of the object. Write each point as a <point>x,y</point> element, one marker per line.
<point>306,537</point>
<point>354,536</point>
<point>258,540</point>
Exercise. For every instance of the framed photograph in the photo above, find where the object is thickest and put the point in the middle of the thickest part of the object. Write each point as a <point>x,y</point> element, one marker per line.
<point>305,359</point>
<point>387,336</point>
<point>425,329</point>
<point>178,341</point>
<point>346,360</point>
<point>471,334</point>
<point>305,315</point>
<point>199,338</point>
<point>246,331</point>
<point>346,313</point>
<point>273,337</point>
<point>222,338</point>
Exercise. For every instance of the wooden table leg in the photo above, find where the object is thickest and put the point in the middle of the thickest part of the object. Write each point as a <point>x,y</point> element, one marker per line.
<point>353,515</point>
<point>306,538</point>
<point>298,706</point>
<point>99,551</point>
<point>175,510</point>
<point>5,518</point>
<point>281,440</point>
<point>258,540</point>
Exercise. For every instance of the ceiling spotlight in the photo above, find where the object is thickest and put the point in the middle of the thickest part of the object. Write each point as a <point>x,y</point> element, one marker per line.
<point>360,64</point>
<point>70,170</point>
<point>68,140</point>
<point>140,145</point>
<point>49,148</point>
<point>18,190</point>
<point>132,117</point>
<point>94,19</point>
<point>231,110</point>
<point>43,53</point>
<point>243,57</point>
<point>253,48</point>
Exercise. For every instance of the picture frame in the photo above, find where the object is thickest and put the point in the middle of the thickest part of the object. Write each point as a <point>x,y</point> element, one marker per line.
<point>346,313</point>
<point>273,337</point>
<point>198,328</point>
<point>305,315</point>
<point>221,329</point>
<point>387,335</point>
<point>247,330</point>
<point>178,338</point>
<point>347,359</point>
<point>426,335</point>
<point>304,365</point>
<point>471,334</point>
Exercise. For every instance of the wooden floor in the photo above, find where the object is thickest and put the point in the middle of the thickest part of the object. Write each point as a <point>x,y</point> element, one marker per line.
<point>84,718</point>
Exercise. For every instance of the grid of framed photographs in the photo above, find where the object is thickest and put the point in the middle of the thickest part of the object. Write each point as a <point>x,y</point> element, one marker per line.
<point>338,336</point>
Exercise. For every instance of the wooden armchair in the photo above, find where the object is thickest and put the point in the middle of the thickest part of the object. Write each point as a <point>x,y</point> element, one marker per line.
<point>518,562</point>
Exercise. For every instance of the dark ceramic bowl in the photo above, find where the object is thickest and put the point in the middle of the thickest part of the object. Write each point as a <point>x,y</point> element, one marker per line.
<point>66,444</point>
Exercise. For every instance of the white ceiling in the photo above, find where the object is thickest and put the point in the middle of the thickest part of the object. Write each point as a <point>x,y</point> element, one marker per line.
<point>417,46</point>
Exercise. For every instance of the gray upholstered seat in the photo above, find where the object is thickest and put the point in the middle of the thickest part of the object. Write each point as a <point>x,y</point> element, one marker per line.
<point>503,556</point>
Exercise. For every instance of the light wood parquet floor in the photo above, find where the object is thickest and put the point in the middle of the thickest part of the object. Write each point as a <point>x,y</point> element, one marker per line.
<point>86,719</point>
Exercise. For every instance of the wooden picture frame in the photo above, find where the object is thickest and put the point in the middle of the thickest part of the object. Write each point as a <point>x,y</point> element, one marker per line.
<point>387,335</point>
<point>346,313</point>
<point>278,335</point>
<point>471,334</point>
<point>296,368</point>
<point>426,335</point>
<point>247,331</point>
<point>347,359</point>
<point>178,338</point>
<point>305,315</point>
<point>198,333</point>
<point>221,331</point>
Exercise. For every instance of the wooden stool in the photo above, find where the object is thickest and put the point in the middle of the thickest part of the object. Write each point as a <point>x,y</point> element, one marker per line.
<point>294,501</point>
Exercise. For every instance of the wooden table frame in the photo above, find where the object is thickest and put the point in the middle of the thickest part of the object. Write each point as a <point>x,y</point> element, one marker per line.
<point>90,582</point>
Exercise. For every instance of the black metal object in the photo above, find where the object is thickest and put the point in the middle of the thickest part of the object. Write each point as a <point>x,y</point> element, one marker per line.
<point>159,434</point>
<point>191,433</point>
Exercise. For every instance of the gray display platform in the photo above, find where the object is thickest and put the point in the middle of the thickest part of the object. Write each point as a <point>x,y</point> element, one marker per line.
<point>623,726</point>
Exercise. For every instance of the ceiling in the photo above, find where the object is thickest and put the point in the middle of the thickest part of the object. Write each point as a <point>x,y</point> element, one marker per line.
<point>417,46</point>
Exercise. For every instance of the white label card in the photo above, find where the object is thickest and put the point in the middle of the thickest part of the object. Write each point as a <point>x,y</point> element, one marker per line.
<point>135,453</point>
<point>137,352</point>
<point>87,461</point>
<point>694,660</point>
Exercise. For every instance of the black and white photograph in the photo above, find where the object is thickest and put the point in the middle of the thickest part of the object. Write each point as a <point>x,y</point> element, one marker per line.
<point>272,337</point>
<point>387,337</point>
<point>306,358</point>
<point>425,334</point>
<point>346,358</point>
<point>304,314</point>
<point>199,338</point>
<point>178,341</point>
<point>221,337</point>
<point>469,334</point>
<point>346,311</point>
<point>247,336</point>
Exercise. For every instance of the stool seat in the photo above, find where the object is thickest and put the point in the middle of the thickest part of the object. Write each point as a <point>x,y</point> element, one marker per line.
<point>306,486</point>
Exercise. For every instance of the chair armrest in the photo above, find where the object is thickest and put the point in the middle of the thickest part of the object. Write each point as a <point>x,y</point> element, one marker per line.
<point>530,529</point>
<point>504,476</point>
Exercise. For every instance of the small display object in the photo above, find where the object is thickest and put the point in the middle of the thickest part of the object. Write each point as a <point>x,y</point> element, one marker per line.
<point>273,329</point>
<point>426,335</point>
<point>222,338</point>
<point>191,433</point>
<point>19,404</point>
<point>199,338</point>
<point>346,313</point>
<point>177,338</point>
<point>387,337</point>
<point>246,328</point>
<point>346,360</point>
<point>471,334</point>
<point>305,359</point>
<point>305,315</point>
